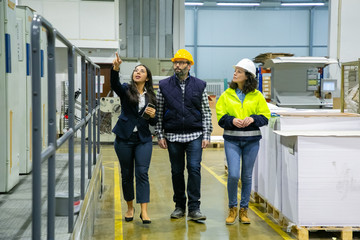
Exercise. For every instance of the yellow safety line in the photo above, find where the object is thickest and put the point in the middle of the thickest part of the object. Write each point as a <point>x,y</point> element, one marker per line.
<point>118,229</point>
<point>261,215</point>
<point>214,174</point>
<point>274,226</point>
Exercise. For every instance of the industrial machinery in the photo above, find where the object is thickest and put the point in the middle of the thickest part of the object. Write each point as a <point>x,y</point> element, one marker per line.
<point>110,109</point>
<point>10,117</point>
<point>296,81</point>
<point>24,16</point>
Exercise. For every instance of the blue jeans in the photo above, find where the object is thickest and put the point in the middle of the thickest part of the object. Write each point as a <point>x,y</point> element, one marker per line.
<point>134,153</point>
<point>247,151</point>
<point>193,152</point>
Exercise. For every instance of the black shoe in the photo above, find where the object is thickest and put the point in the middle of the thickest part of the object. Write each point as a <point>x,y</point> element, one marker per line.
<point>177,213</point>
<point>145,221</point>
<point>196,216</point>
<point>129,219</point>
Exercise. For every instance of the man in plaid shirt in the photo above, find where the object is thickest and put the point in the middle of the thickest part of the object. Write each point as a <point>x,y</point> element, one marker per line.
<point>184,127</point>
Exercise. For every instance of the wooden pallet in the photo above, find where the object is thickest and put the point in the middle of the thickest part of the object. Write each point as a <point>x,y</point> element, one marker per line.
<point>301,232</point>
<point>257,198</point>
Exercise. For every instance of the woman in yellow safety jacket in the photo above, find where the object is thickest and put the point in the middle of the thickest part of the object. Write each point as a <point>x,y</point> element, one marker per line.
<point>241,110</point>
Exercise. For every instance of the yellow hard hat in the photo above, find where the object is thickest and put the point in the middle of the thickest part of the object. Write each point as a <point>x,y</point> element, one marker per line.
<point>183,54</point>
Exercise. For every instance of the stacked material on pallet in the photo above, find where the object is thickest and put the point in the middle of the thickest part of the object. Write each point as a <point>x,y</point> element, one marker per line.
<point>261,58</point>
<point>308,165</point>
<point>320,177</point>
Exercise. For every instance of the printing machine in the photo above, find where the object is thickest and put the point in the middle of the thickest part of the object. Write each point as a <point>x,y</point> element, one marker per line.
<point>295,80</point>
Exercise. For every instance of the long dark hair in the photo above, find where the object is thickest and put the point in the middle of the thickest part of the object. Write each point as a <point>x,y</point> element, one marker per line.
<point>250,83</point>
<point>133,92</point>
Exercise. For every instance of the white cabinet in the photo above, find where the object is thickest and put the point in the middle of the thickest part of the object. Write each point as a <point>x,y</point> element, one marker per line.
<point>24,17</point>
<point>10,117</point>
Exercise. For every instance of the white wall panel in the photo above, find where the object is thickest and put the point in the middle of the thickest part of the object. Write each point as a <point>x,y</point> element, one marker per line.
<point>84,20</point>
<point>178,25</point>
<point>350,35</point>
<point>217,62</point>
<point>273,30</point>
<point>344,35</point>
<point>97,20</point>
<point>320,51</point>
<point>189,27</point>
<point>64,16</point>
<point>234,27</point>
<point>34,4</point>
<point>321,28</point>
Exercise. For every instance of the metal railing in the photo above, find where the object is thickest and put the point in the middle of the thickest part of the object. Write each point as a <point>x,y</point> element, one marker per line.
<point>92,119</point>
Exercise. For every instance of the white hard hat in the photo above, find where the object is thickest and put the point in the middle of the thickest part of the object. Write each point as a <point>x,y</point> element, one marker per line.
<point>248,65</point>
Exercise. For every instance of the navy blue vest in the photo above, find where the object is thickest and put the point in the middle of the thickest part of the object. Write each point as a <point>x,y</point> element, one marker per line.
<point>182,114</point>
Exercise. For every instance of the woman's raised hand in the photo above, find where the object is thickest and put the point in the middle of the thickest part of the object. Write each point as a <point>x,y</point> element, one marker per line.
<point>116,62</point>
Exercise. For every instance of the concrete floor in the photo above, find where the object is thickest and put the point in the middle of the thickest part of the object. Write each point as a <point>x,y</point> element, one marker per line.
<point>15,206</point>
<point>111,208</point>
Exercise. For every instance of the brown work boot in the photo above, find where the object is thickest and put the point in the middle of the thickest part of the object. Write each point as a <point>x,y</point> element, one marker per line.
<point>243,216</point>
<point>232,216</point>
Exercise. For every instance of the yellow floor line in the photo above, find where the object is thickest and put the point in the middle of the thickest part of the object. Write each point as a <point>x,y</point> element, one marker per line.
<point>214,174</point>
<point>261,215</point>
<point>118,234</point>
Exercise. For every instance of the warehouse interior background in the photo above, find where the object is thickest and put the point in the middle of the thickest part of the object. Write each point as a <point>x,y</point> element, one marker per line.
<point>218,35</point>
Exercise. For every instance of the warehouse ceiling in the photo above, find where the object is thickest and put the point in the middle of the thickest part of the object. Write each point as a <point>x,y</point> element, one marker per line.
<point>263,3</point>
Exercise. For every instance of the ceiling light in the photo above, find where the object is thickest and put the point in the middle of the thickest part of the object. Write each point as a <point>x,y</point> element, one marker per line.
<point>238,4</point>
<point>301,4</point>
<point>194,3</point>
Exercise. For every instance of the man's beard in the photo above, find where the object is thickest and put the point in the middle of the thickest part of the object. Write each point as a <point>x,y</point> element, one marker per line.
<point>181,73</point>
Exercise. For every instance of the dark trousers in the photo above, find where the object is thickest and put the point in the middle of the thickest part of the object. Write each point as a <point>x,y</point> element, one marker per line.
<point>193,152</point>
<point>133,153</point>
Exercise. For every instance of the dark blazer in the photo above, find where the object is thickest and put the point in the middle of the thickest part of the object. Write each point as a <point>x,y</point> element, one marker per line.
<point>130,116</point>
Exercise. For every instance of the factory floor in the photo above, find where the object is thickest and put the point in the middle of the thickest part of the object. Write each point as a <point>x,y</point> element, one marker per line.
<point>110,223</point>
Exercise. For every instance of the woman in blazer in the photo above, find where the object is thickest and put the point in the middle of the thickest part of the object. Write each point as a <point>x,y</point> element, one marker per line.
<point>133,143</point>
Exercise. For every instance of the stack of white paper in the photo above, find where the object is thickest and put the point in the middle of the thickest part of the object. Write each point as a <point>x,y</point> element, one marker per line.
<point>321,178</point>
<point>268,179</point>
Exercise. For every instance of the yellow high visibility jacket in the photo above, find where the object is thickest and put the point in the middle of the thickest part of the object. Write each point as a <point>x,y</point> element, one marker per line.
<point>229,107</point>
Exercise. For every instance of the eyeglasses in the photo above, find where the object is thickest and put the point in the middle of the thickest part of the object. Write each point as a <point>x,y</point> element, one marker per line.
<point>180,62</point>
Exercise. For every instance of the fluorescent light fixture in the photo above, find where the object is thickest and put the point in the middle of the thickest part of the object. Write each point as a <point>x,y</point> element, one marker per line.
<point>301,4</point>
<point>238,4</point>
<point>194,3</point>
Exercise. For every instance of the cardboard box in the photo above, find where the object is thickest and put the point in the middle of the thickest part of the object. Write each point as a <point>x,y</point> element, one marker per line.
<point>337,103</point>
<point>217,130</point>
<point>212,101</point>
